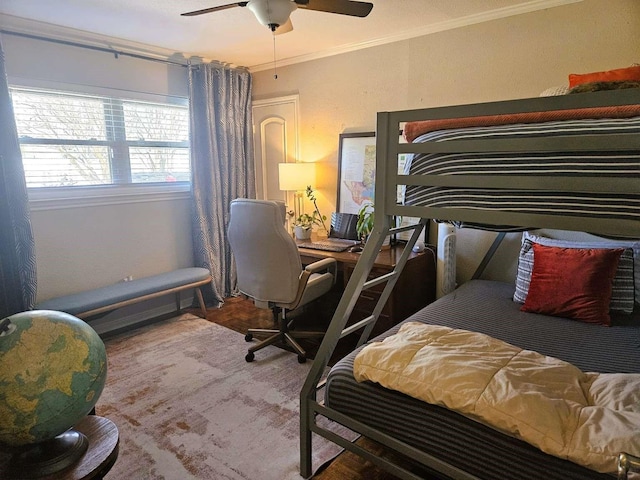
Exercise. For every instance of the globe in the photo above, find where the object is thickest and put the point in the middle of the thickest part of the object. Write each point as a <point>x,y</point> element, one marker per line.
<point>53,367</point>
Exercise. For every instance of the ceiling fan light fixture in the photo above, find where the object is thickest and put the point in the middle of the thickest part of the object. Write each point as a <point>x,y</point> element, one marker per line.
<point>272,13</point>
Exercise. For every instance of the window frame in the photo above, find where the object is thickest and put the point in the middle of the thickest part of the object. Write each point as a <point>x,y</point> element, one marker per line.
<point>46,198</point>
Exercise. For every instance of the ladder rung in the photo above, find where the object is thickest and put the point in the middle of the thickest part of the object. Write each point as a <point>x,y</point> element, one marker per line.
<point>357,326</point>
<point>378,280</point>
<point>404,228</point>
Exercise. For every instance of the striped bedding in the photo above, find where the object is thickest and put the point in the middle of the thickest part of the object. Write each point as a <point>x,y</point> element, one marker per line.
<point>570,164</point>
<point>487,307</point>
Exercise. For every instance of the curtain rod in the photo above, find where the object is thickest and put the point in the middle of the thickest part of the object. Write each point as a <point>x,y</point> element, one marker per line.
<point>113,51</point>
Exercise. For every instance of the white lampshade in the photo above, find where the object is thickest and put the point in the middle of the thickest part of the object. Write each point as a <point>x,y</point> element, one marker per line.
<point>296,176</point>
<point>272,12</point>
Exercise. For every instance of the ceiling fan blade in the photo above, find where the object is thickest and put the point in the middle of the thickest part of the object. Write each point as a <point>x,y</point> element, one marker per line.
<point>284,28</point>
<point>342,7</point>
<point>214,9</point>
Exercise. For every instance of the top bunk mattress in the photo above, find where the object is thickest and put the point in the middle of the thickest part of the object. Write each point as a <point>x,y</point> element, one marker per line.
<point>532,163</point>
<point>487,307</point>
<point>521,153</point>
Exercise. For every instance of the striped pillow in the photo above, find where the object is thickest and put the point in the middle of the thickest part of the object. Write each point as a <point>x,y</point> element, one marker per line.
<point>622,293</point>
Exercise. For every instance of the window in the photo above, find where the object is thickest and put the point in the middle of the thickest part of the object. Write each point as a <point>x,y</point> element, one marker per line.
<point>71,140</point>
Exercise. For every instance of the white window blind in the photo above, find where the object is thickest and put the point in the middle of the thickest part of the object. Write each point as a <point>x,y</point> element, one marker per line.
<point>69,139</point>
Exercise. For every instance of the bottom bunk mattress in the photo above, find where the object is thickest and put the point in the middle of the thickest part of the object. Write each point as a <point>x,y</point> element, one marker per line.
<point>487,307</point>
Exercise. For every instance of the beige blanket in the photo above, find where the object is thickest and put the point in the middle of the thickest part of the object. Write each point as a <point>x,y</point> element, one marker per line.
<point>588,418</point>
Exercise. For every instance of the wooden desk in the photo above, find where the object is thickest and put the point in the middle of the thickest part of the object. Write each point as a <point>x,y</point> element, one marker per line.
<point>414,289</point>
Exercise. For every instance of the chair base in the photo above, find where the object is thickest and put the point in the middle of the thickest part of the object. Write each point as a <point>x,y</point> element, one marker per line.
<point>283,336</point>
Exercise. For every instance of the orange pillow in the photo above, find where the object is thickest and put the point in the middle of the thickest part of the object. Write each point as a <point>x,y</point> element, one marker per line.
<point>619,74</point>
<point>572,282</point>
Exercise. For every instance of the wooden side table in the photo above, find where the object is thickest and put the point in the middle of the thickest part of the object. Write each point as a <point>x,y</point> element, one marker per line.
<point>101,455</point>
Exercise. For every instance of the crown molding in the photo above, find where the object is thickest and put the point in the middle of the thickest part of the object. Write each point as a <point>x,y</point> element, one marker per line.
<point>499,13</point>
<point>57,32</point>
<point>27,27</point>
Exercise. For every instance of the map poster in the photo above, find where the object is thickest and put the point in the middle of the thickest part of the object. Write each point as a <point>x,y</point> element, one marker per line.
<point>356,171</point>
<point>357,175</point>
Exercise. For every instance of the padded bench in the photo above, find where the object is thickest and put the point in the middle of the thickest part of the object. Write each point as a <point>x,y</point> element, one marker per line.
<point>105,299</point>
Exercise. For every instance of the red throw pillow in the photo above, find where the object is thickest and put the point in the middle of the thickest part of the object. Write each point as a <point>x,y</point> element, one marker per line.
<point>619,74</point>
<point>572,282</point>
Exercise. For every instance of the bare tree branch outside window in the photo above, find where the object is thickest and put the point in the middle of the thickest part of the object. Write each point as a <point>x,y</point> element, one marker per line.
<point>73,140</point>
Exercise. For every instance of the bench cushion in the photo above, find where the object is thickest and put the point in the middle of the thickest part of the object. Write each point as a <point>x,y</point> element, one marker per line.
<point>111,294</point>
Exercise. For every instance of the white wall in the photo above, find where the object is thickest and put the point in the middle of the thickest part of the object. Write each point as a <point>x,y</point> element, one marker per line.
<point>515,57</point>
<point>88,247</point>
<point>83,247</point>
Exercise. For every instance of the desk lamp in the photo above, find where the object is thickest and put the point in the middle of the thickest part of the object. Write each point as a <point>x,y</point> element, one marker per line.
<point>295,177</point>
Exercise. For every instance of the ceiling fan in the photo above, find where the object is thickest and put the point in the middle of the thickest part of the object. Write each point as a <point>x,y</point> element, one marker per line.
<point>275,13</point>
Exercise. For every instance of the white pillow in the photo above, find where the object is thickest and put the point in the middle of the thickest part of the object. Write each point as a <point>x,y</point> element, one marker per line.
<point>554,91</point>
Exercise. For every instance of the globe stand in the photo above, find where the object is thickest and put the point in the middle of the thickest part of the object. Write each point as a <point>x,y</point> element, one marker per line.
<point>48,457</point>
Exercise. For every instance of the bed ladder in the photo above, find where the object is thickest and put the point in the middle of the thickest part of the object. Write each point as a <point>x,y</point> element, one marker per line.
<point>359,281</point>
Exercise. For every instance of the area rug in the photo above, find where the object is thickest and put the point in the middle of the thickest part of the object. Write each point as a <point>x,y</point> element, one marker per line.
<point>188,406</point>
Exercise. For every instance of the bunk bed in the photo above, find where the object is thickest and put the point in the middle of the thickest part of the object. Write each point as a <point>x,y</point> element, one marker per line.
<point>597,191</point>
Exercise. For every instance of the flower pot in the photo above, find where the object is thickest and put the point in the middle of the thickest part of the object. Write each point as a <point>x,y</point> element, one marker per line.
<point>302,233</point>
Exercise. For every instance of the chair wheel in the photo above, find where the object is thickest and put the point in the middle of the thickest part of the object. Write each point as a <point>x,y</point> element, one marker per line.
<point>249,357</point>
<point>302,359</point>
<point>248,337</point>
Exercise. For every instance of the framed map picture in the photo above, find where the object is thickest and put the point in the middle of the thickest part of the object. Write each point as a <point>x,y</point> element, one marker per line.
<point>356,170</point>
<point>357,174</point>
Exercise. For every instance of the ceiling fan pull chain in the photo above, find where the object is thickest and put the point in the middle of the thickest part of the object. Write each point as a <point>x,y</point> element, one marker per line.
<point>275,71</point>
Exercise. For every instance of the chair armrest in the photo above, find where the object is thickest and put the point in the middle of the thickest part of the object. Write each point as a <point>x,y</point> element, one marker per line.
<point>627,463</point>
<point>328,264</point>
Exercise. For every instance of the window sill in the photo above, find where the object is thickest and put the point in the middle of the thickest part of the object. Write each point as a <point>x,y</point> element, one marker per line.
<point>76,197</point>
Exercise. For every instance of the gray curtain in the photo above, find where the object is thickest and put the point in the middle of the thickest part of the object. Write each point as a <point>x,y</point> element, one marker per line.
<point>222,165</point>
<point>17,254</point>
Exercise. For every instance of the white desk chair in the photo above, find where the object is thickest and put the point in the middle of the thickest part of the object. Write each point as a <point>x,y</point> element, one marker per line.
<point>270,271</point>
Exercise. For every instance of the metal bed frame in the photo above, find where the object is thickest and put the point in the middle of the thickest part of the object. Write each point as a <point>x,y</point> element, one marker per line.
<point>388,147</point>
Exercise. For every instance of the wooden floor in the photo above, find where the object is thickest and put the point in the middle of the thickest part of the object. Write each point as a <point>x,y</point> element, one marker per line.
<point>240,314</point>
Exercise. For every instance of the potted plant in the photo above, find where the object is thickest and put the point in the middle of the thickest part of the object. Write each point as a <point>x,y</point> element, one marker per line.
<point>304,223</point>
<point>311,196</point>
<point>364,226</point>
